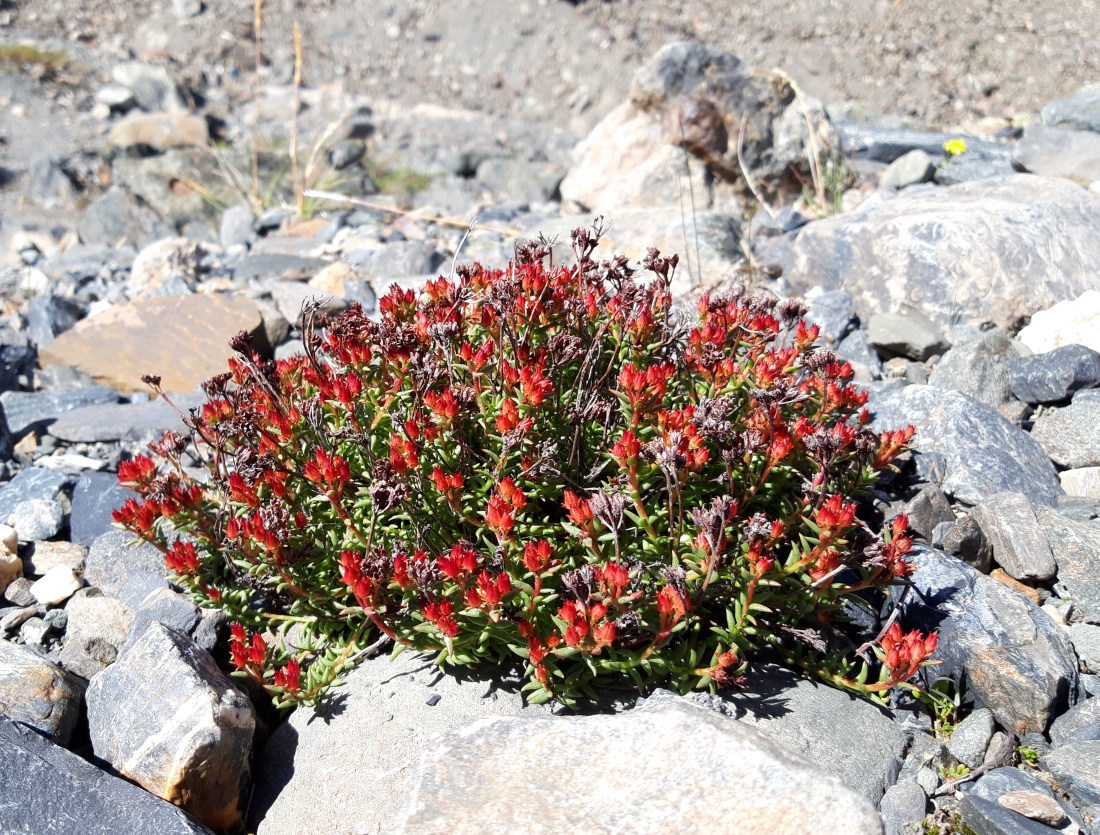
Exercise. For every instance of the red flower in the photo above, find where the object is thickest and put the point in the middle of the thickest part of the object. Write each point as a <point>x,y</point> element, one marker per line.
<point>330,472</point>
<point>580,513</point>
<point>182,559</point>
<point>461,563</point>
<point>137,473</point>
<point>537,557</point>
<point>289,677</point>
<point>441,615</point>
<point>509,419</point>
<point>499,515</point>
<point>904,654</point>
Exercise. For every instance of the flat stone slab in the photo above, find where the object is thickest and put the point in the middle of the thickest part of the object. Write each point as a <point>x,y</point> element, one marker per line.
<point>183,339</point>
<point>122,421</point>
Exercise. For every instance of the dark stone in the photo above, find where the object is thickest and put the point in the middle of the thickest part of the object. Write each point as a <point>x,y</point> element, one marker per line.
<point>396,259</point>
<point>1081,111</point>
<point>277,265</point>
<point>964,539</point>
<point>885,144</point>
<point>993,784</point>
<point>1079,719</point>
<point>1068,435</point>
<point>1076,767</point>
<point>122,569</point>
<point>1015,660</point>
<point>47,316</point>
<point>95,496</point>
<point>7,445</point>
<point>855,348</point>
<point>38,693</point>
<point>979,368</point>
<point>966,167</point>
<point>37,409</point>
<point>166,607</point>
<point>31,483</point>
<point>49,790</point>
<point>983,453</point>
<point>346,153</point>
<point>1055,375</point>
<point>903,808</point>
<point>17,359</point>
<point>119,216</point>
<point>1076,548</point>
<point>833,313</point>
<point>988,818</point>
<point>928,509</point>
<point>122,421</point>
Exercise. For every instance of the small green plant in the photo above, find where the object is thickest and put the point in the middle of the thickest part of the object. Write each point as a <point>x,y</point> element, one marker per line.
<point>541,464</point>
<point>1029,755</point>
<point>24,56</point>
<point>943,701</point>
<point>954,772</point>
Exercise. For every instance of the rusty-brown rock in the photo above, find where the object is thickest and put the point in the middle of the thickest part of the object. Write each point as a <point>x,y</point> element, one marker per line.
<point>159,130</point>
<point>183,339</point>
<point>38,693</point>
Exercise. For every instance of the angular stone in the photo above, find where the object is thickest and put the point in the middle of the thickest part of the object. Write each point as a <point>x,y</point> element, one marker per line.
<point>965,168</point>
<point>964,539</point>
<point>59,789</point>
<point>183,339</point>
<point>166,607</point>
<point>18,592</point>
<point>120,568</point>
<point>1076,548</point>
<point>978,368</point>
<point>1075,765</point>
<point>165,716</point>
<point>40,557</point>
<point>31,483</point>
<point>1078,722</point>
<point>37,519</point>
<point>1085,638</point>
<point>1030,592</point>
<point>1059,152</point>
<point>908,170</point>
<point>990,250</point>
<point>987,818</point>
<point>1080,111</point>
<point>1016,660</point>
<point>1019,545</point>
<point>855,348</point>
<point>95,497</point>
<point>116,216</point>
<point>833,314</point>
<point>906,334</point>
<point>379,729</point>
<point>1034,805</point>
<point>399,258</point>
<point>1081,481</point>
<point>38,693</point>
<point>903,808</point>
<point>1070,322</point>
<point>168,267</point>
<point>34,409</point>
<point>153,87</point>
<point>983,453</point>
<point>1069,434</point>
<point>56,586</point>
<point>927,510</point>
<point>278,266</point>
<point>1055,375</point>
<point>139,422</point>
<point>96,631</point>
<point>159,131</point>
<point>47,316</point>
<point>475,779</point>
<point>970,739</point>
<point>883,143</point>
<point>290,297</point>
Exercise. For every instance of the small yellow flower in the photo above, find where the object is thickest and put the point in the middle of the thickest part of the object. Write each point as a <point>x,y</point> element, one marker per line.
<point>954,147</point>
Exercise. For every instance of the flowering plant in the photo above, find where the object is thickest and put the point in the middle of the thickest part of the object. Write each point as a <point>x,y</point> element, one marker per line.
<point>542,462</point>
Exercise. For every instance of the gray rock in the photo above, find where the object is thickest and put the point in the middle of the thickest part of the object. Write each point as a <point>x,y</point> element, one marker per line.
<point>970,739</point>
<point>1078,722</point>
<point>1080,111</point>
<point>117,216</point>
<point>153,87</point>
<point>968,167</point>
<point>400,258</point>
<point>1085,638</point>
<point>47,316</point>
<point>1017,661</point>
<point>1035,806</point>
<point>277,265</point>
<point>909,335</point>
<point>291,296</point>
<point>139,422</point>
<point>988,818</point>
<point>1076,547</point>
<point>166,717</point>
<point>55,791</point>
<point>1020,546</point>
<point>907,170</point>
<point>1069,434</point>
<point>95,497</point>
<point>983,453</point>
<point>36,409</point>
<point>1055,375</point>
<point>474,780</point>
<point>166,607</point>
<point>903,808</point>
<point>96,630</point>
<point>31,483</point>
<point>18,592</point>
<point>990,250</point>
<point>212,628</point>
<point>122,569</point>
<point>55,378</point>
<point>999,781</point>
<point>979,368</point>
<point>855,348</point>
<point>886,144</point>
<point>964,539</point>
<point>1075,765</point>
<point>378,727</point>
<point>37,519</point>
<point>833,313</point>
<point>860,760</point>
<point>236,227</point>
<point>927,510</point>
<point>1059,152</point>
<point>38,693</point>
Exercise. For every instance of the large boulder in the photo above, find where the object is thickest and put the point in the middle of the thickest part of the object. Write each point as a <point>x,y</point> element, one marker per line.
<point>375,727</point>
<point>165,716</point>
<point>38,693</point>
<point>1014,659</point>
<point>555,774</point>
<point>993,250</point>
<point>50,790</point>
<point>983,453</point>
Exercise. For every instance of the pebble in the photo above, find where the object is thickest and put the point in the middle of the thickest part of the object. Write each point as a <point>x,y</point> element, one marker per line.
<point>56,586</point>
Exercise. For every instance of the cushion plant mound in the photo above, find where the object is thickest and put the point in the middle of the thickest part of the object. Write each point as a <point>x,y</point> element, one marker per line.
<point>537,461</point>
